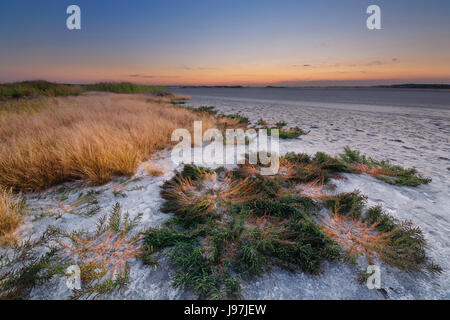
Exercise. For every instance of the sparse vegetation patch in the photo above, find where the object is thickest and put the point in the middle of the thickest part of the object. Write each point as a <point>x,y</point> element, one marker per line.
<point>230,226</point>
<point>103,258</point>
<point>383,170</point>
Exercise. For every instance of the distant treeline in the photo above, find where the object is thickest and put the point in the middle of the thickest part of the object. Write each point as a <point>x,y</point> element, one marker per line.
<point>399,86</point>
<point>122,87</point>
<point>210,87</point>
<point>417,86</point>
<point>44,88</point>
<point>37,88</point>
<point>393,86</point>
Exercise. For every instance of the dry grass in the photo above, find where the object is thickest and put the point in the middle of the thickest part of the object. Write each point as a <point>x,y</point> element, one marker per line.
<point>108,253</point>
<point>26,105</point>
<point>92,137</point>
<point>313,189</point>
<point>152,170</point>
<point>374,171</point>
<point>355,236</point>
<point>11,211</point>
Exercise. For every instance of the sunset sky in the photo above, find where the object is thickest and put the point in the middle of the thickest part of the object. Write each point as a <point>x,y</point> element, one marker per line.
<point>226,42</point>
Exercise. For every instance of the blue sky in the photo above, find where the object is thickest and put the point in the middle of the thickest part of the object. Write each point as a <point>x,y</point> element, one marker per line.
<point>225,42</point>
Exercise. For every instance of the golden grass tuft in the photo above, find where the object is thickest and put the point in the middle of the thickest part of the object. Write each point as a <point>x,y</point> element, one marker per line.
<point>11,211</point>
<point>372,171</point>
<point>152,170</point>
<point>355,236</point>
<point>94,137</point>
<point>313,189</point>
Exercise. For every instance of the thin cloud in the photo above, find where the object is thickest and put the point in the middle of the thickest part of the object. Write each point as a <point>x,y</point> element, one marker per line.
<point>303,65</point>
<point>375,63</point>
<point>380,63</point>
<point>325,65</point>
<point>199,68</point>
<point>143,76</point>
<point>140,76</point>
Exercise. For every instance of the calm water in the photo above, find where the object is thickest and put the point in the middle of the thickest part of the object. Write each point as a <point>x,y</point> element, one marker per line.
<point>338,97</point>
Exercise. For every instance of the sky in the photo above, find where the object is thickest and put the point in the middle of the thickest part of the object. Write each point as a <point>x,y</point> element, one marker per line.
<point>226,42</point>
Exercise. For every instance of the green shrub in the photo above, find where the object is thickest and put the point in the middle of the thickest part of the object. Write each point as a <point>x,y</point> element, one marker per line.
<point>124,87</point>
<point>406,246</point>
<point>237,116</point>
<point>347,203</point>
<point>387,172</point>
<point>221,235</point>
<point>32,89</point>
<point>165,237</point>
<point>204,109</point>
<point>291,133</point>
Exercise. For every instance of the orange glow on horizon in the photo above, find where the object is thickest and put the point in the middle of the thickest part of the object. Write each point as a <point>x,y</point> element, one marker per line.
<point>256,74</point>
